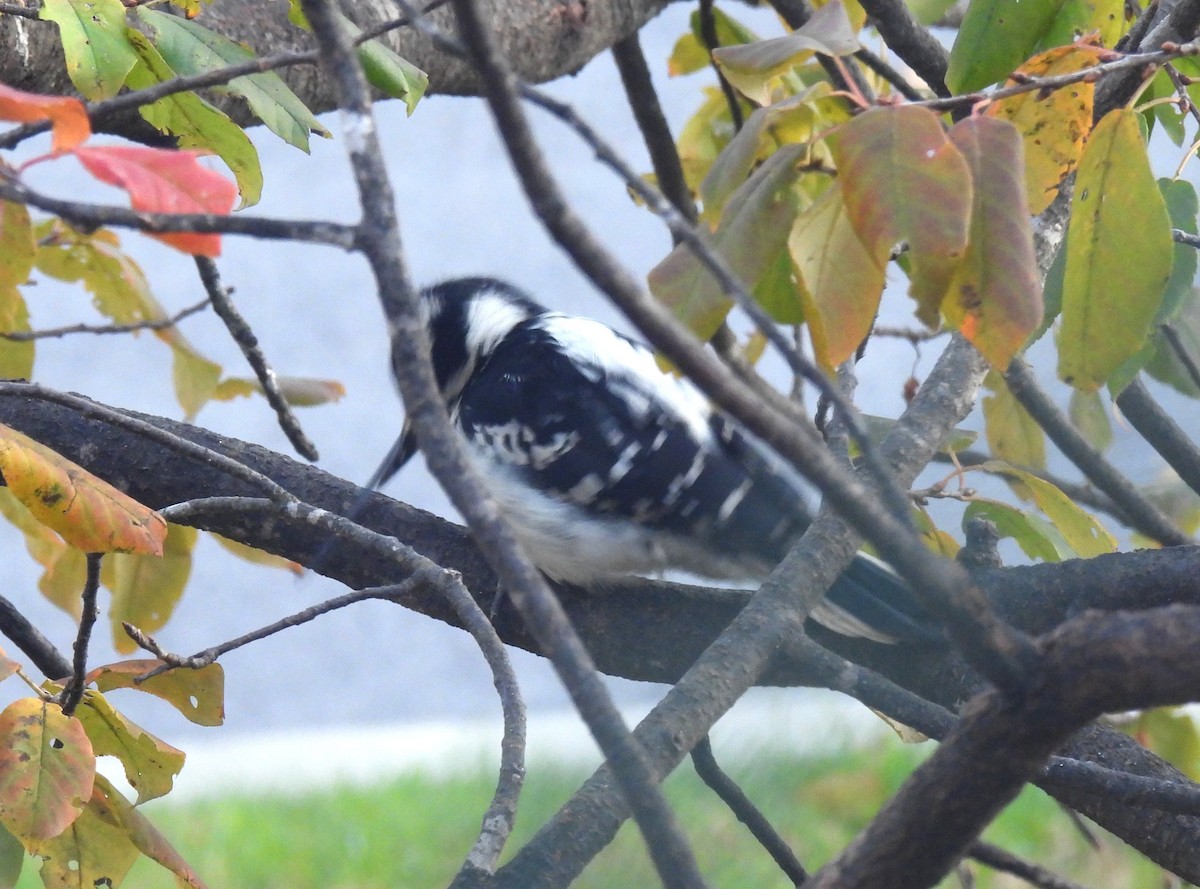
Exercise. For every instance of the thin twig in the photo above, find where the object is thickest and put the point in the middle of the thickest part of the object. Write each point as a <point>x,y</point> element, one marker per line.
<point>1132,62</point>
<point>93,216</point>
<point>708,33</point>
<point>72,693</point>
<point>1002,860</point>
<point>21,336</point>
<point>652,123</point>
<point>911,41</point>
<point>501,813</point>
<point>1182,237</point>
<point>248,343</point>
<point>1180,350</point>
<point>1144,515</point>
<point>746,812</point>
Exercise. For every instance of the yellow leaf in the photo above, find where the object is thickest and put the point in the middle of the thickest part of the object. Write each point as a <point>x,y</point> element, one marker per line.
<point>1012,434</point>
<point>146,837</point>
<point>147,589</point>
<point>270,560</point>
<point>88,512</point>
<point>94,851</point>
<point>197,694</point>
<point>842,280</point>
<point>150,764</point>
<point>1053,125</point>
<point>1082,531</point>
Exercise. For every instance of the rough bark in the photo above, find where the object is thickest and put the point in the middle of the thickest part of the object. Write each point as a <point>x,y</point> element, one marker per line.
<point>544,40</point>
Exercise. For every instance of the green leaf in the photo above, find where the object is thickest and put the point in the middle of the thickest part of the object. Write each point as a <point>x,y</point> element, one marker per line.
<point>753,67</point>
<point>95,44</point>
<point>1012,434</point>
<point>688,56</point>
<point>196,378</point>
<point>1082,531</point>
<point>903,180</point>
<point>117,284</point>
<point>1080,18</point>
<point>927,12</point>
<point>1183,206</point>
<point>1165,365</point>
<point>190,48</point>
<point>195,122</point>
<point>1171,733</point>
<point>16,262</point>
<point>1031,533</point>
<point>795,119</point>
<point>387,72</point>
<point>1119,255</point>
<point>12,859</point>
<point>994,38</point>
<point>1090,417</point>
<point>752,233</point>
<point>994,297</point>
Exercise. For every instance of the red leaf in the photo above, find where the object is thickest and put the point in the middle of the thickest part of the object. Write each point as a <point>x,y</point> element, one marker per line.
<point>161,181</point>
<point>67,116</point>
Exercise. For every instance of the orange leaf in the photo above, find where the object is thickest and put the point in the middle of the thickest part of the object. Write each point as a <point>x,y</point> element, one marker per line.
<point>161,181</point>
<point>88,512</point>
<point>994,296</point>
<point>46,769</point>
<point>68,119</point>
<point>903,180</point>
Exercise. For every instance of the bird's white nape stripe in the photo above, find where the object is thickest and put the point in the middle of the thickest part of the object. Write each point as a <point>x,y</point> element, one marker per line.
<point>490,318</point>
<point>604,352</point>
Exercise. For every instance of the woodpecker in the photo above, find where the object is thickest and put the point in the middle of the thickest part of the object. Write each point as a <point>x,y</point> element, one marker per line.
<point>605,466</point>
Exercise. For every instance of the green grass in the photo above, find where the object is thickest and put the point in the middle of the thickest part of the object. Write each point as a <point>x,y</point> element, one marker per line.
<point>414,831</point>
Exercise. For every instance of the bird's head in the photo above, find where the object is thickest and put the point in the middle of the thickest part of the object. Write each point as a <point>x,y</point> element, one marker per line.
<point>465,320</point>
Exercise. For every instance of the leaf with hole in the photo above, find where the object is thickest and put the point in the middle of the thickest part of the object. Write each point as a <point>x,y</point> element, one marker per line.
<point>150,764</point>
<point>46,769</point>
<point>197,694</point>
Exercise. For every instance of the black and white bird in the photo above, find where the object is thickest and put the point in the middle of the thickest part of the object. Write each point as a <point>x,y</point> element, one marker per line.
<point>606,466</point>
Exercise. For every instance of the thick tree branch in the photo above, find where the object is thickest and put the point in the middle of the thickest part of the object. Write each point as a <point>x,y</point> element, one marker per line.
<point>644,630</point>
<point>545,39</point>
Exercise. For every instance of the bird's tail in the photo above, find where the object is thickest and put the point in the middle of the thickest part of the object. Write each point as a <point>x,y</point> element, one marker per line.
<point>872,601</point>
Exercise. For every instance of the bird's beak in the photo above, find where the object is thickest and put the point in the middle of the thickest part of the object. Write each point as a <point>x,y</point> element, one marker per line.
<point>401,453</point>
